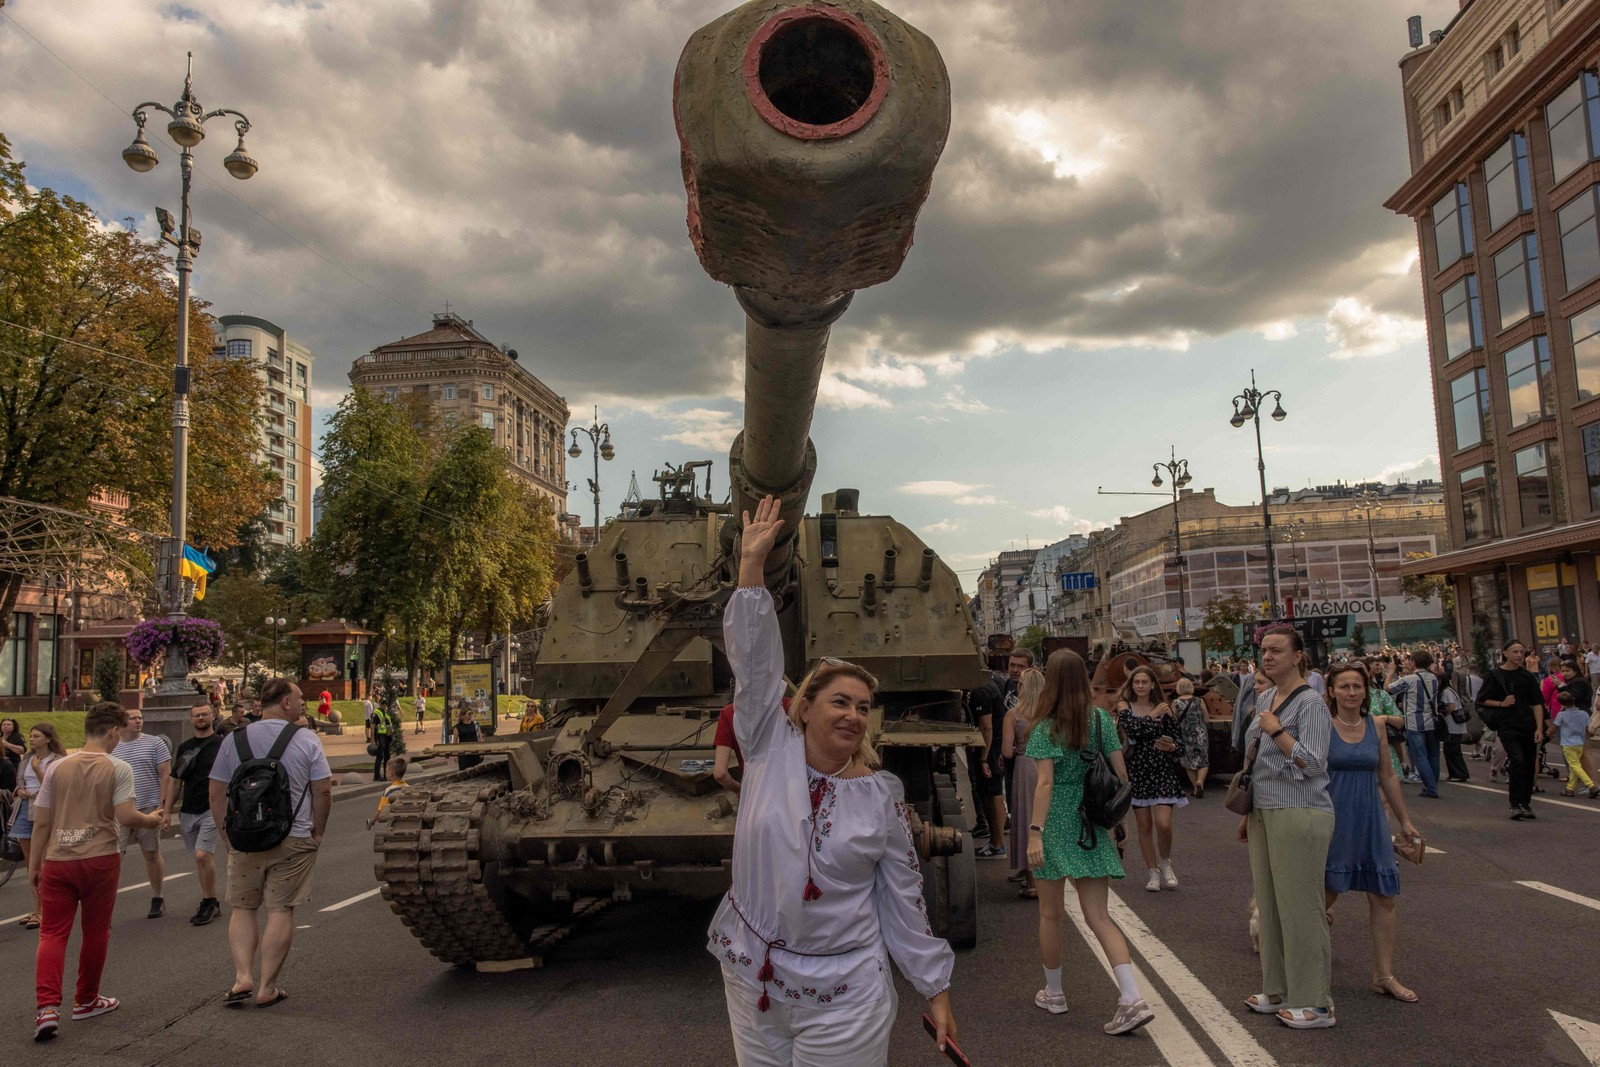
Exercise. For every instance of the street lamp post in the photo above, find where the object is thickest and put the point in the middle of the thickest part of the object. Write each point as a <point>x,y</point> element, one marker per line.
<point>1247,408</point>
<point>56,604</point>
<point>1367,504</point>
<point>1294,533</point>
<point>599,434</point>
<point>187,129</point>
<point>277,625</point>
<point>1178,470</point>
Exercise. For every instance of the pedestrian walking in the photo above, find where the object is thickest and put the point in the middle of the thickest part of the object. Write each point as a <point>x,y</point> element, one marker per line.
<point>325,703</point>
<point>986,771</point>
<point>1194,737</point>
<point>1387,713</point>
<point>83,801</point>
<point>279,878</point>
<point>151,759</point>
<point>13,743</point>
<point>1288,831</point>
<point>420,703</point>
<point>1022,776</point>
<point>1417,694</point>
<point>191,784</point>
<point>1453,716</point>
<point>1513,707</point>
<point>1591,667</point>
<point>44,748</point>
<point>468,732</point>
<point>1572,728</point>
<point>379,738</point>
<point>826,885</point>
<point>1069,734</point>
<point>1361,857</point>
<point>1149,733</point>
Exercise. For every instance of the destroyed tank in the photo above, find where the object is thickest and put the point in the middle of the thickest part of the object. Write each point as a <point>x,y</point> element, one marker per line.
<point>809,135</point>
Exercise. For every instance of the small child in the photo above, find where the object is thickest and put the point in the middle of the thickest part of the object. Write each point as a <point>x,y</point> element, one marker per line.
<point>396,768</point>
<point>1572,723</point>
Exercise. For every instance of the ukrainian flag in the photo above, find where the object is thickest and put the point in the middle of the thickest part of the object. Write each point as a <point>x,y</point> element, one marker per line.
<point>197,567</point>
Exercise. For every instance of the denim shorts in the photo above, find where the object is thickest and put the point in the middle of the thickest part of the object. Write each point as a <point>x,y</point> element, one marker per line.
<point>22,829</point>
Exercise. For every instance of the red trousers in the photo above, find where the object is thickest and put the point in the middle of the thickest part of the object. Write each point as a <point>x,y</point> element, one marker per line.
<point>64,885</point>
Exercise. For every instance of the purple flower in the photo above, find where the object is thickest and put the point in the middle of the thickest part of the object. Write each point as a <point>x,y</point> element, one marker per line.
<point>200,639</point>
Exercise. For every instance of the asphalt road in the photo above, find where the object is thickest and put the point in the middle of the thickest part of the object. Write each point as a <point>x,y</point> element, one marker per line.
<point>1494,960</point>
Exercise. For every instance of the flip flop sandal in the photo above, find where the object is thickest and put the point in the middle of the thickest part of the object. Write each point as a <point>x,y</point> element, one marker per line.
<point>277,998</point>
<point>237,997</point>
<point>1259,1002</point>
<point>31,922</point>
<point>1389,987</point>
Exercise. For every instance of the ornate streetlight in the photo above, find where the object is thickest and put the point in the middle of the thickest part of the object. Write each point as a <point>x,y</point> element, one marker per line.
<point>1247,408</point>
<point>277,625</point>
<point>1177,470</point>
<point>599,435</point>
<point>187,129</point>
<point>1367,505</point>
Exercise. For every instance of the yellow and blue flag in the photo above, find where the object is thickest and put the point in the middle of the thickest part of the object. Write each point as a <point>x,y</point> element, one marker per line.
<point>197,567</point>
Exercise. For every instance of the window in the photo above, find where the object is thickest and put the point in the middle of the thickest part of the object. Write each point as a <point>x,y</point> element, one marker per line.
<point>14,657</point>
<point>291,407</point>
<point>1509,181</point>
<point>1478,520</point>
<point>1450,107</point>
<point>1463,321</point>
<point>390,392</point>
<point>1591,462</point>
<point>1533,484</point>
<point>300,371</point>
<point>291,471</point>
<point>1452,226</point>
<point>288,491</point>
<point>1504,50</point>
<point>44,673</point>
<point>1573,119</point>
<point>289,533</point>
<point>292,431</point>
<point>239,349</point>
<point>1580,241</point>
<point>487,419</point>
<point>1516,280</point>
<point>291,513</point>
<point>450,392</point>
<point>1469,400</point>
<point>1529,383</point>
<point>488,392</point>
<point>272,355</point>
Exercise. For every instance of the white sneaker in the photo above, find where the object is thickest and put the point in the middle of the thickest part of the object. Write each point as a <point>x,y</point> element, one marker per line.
<point>1154,884</point>
<point>1169,879</point>
<point>1054,1003</point>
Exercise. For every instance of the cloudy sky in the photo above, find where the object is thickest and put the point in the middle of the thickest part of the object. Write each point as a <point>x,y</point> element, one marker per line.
<point>1138,204</point>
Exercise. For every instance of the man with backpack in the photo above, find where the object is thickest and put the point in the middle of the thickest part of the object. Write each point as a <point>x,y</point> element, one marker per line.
<point>271,791</point>
<point>1418,696</point>
<point>1511,705</point>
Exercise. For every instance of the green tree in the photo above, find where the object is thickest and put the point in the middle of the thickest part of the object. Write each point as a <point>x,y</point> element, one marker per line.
<point>108,672</point>
<point>1358,641</point>
<point>1483,656</point>
<point>1223,613</point>
<point>1033,640</point>
<point>90,321</point>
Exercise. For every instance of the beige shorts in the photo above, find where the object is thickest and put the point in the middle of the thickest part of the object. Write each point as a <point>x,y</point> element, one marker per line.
<point>147,837</point>
<point>278,879</point>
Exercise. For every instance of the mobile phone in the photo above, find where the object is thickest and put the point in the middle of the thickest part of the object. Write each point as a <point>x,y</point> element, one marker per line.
<point>954,1054</point>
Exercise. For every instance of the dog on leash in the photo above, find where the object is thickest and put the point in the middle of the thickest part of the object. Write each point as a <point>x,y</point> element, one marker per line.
<point>1255,925</point>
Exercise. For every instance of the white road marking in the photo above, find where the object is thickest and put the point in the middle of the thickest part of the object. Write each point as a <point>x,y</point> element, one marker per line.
<point>1538,801</point>
<point>124,889</point>
<point>1435,851</point>
<point>1172,1040</point>
<point>1219,1023</point>
<point>1556,891</point>
<point>1584,1034</point>
<point>358,898</point>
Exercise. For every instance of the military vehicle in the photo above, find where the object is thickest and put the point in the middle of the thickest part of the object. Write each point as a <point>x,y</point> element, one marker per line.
<point>809,135</point>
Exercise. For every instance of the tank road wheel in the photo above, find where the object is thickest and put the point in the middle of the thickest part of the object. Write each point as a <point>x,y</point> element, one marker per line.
<point>431,875</point>
<point>950,884</point>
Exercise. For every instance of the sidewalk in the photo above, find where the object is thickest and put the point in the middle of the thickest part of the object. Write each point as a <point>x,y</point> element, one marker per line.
<point>347,754</point>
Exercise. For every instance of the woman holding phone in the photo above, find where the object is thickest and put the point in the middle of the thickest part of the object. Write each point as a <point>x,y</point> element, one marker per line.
<point>1150,731</point>
<point>826,886</point>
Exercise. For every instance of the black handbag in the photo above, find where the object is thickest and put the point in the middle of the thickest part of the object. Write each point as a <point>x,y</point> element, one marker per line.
<point>1105,796</point>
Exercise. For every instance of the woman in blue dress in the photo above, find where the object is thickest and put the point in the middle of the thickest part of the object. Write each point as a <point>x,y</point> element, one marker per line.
<point>1361,855</point>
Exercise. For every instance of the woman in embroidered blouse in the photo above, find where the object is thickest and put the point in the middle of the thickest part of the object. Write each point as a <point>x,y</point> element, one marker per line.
<point>826,885</point>
<point>1288,833</point>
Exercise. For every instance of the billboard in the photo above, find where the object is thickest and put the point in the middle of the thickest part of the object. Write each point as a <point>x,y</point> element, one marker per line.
<point>472,683</point>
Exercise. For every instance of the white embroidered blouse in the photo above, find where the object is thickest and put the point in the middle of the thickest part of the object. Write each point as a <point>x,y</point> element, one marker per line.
<point>849,838</point>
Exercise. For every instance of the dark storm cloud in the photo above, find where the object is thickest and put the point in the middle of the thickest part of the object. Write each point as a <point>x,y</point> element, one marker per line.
<point>1116,173</point>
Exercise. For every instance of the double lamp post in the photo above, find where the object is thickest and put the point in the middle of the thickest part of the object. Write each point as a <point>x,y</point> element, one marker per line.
<point>1247,408</point>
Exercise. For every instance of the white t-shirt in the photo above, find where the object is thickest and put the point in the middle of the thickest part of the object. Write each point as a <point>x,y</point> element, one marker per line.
<point>1591,662</point>
<point>304,759</point>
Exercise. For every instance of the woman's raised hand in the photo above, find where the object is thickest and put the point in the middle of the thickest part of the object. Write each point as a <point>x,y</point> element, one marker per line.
<point>761,532</point>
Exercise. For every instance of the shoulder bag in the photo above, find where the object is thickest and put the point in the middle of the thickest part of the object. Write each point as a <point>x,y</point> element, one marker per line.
<point>1238,798</point>
<point>1105,796</point>
<point>1490,714</point>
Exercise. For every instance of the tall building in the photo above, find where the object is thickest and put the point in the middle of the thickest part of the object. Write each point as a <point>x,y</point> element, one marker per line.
<point>470,380</point>
<point>1502,112</point>
<point>286,368</point>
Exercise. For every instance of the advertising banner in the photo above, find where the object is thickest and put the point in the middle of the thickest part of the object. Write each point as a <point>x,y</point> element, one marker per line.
<point>472,684</point>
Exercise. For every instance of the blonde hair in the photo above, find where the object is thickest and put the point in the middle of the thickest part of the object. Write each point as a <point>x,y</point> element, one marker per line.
<point>1029,688</point>
<point>826,671</point>
<point>1184,687</point>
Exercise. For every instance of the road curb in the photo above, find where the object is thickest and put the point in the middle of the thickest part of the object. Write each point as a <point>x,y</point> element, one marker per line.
<point>370,789</point>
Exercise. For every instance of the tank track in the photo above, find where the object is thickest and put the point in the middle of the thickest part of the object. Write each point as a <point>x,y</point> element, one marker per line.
<point>429,871</point>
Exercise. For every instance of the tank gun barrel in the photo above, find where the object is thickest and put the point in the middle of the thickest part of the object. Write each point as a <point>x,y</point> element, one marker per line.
<point>809,135</point>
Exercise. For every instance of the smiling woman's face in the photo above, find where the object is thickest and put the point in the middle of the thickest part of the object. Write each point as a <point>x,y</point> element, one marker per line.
<point>836,720</point>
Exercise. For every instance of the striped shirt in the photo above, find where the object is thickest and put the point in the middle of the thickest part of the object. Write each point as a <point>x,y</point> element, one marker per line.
<point>145,754</point>
<point>1276,781</point>
<point>1417,694</point>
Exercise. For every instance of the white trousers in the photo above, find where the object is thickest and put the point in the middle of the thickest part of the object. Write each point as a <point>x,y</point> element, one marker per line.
<point>855,1035</point>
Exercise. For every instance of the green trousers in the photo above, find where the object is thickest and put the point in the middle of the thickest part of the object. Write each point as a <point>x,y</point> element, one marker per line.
<point>1288,860</point>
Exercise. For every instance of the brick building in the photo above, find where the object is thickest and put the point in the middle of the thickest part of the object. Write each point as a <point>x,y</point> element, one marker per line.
<point>1502,111</point>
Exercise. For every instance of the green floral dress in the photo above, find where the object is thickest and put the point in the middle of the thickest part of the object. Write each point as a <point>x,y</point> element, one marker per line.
<point>1062,856</point>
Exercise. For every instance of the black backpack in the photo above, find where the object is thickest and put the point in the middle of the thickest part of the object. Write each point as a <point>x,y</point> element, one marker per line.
<point>261,809</point>
<point>1106,797</point>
